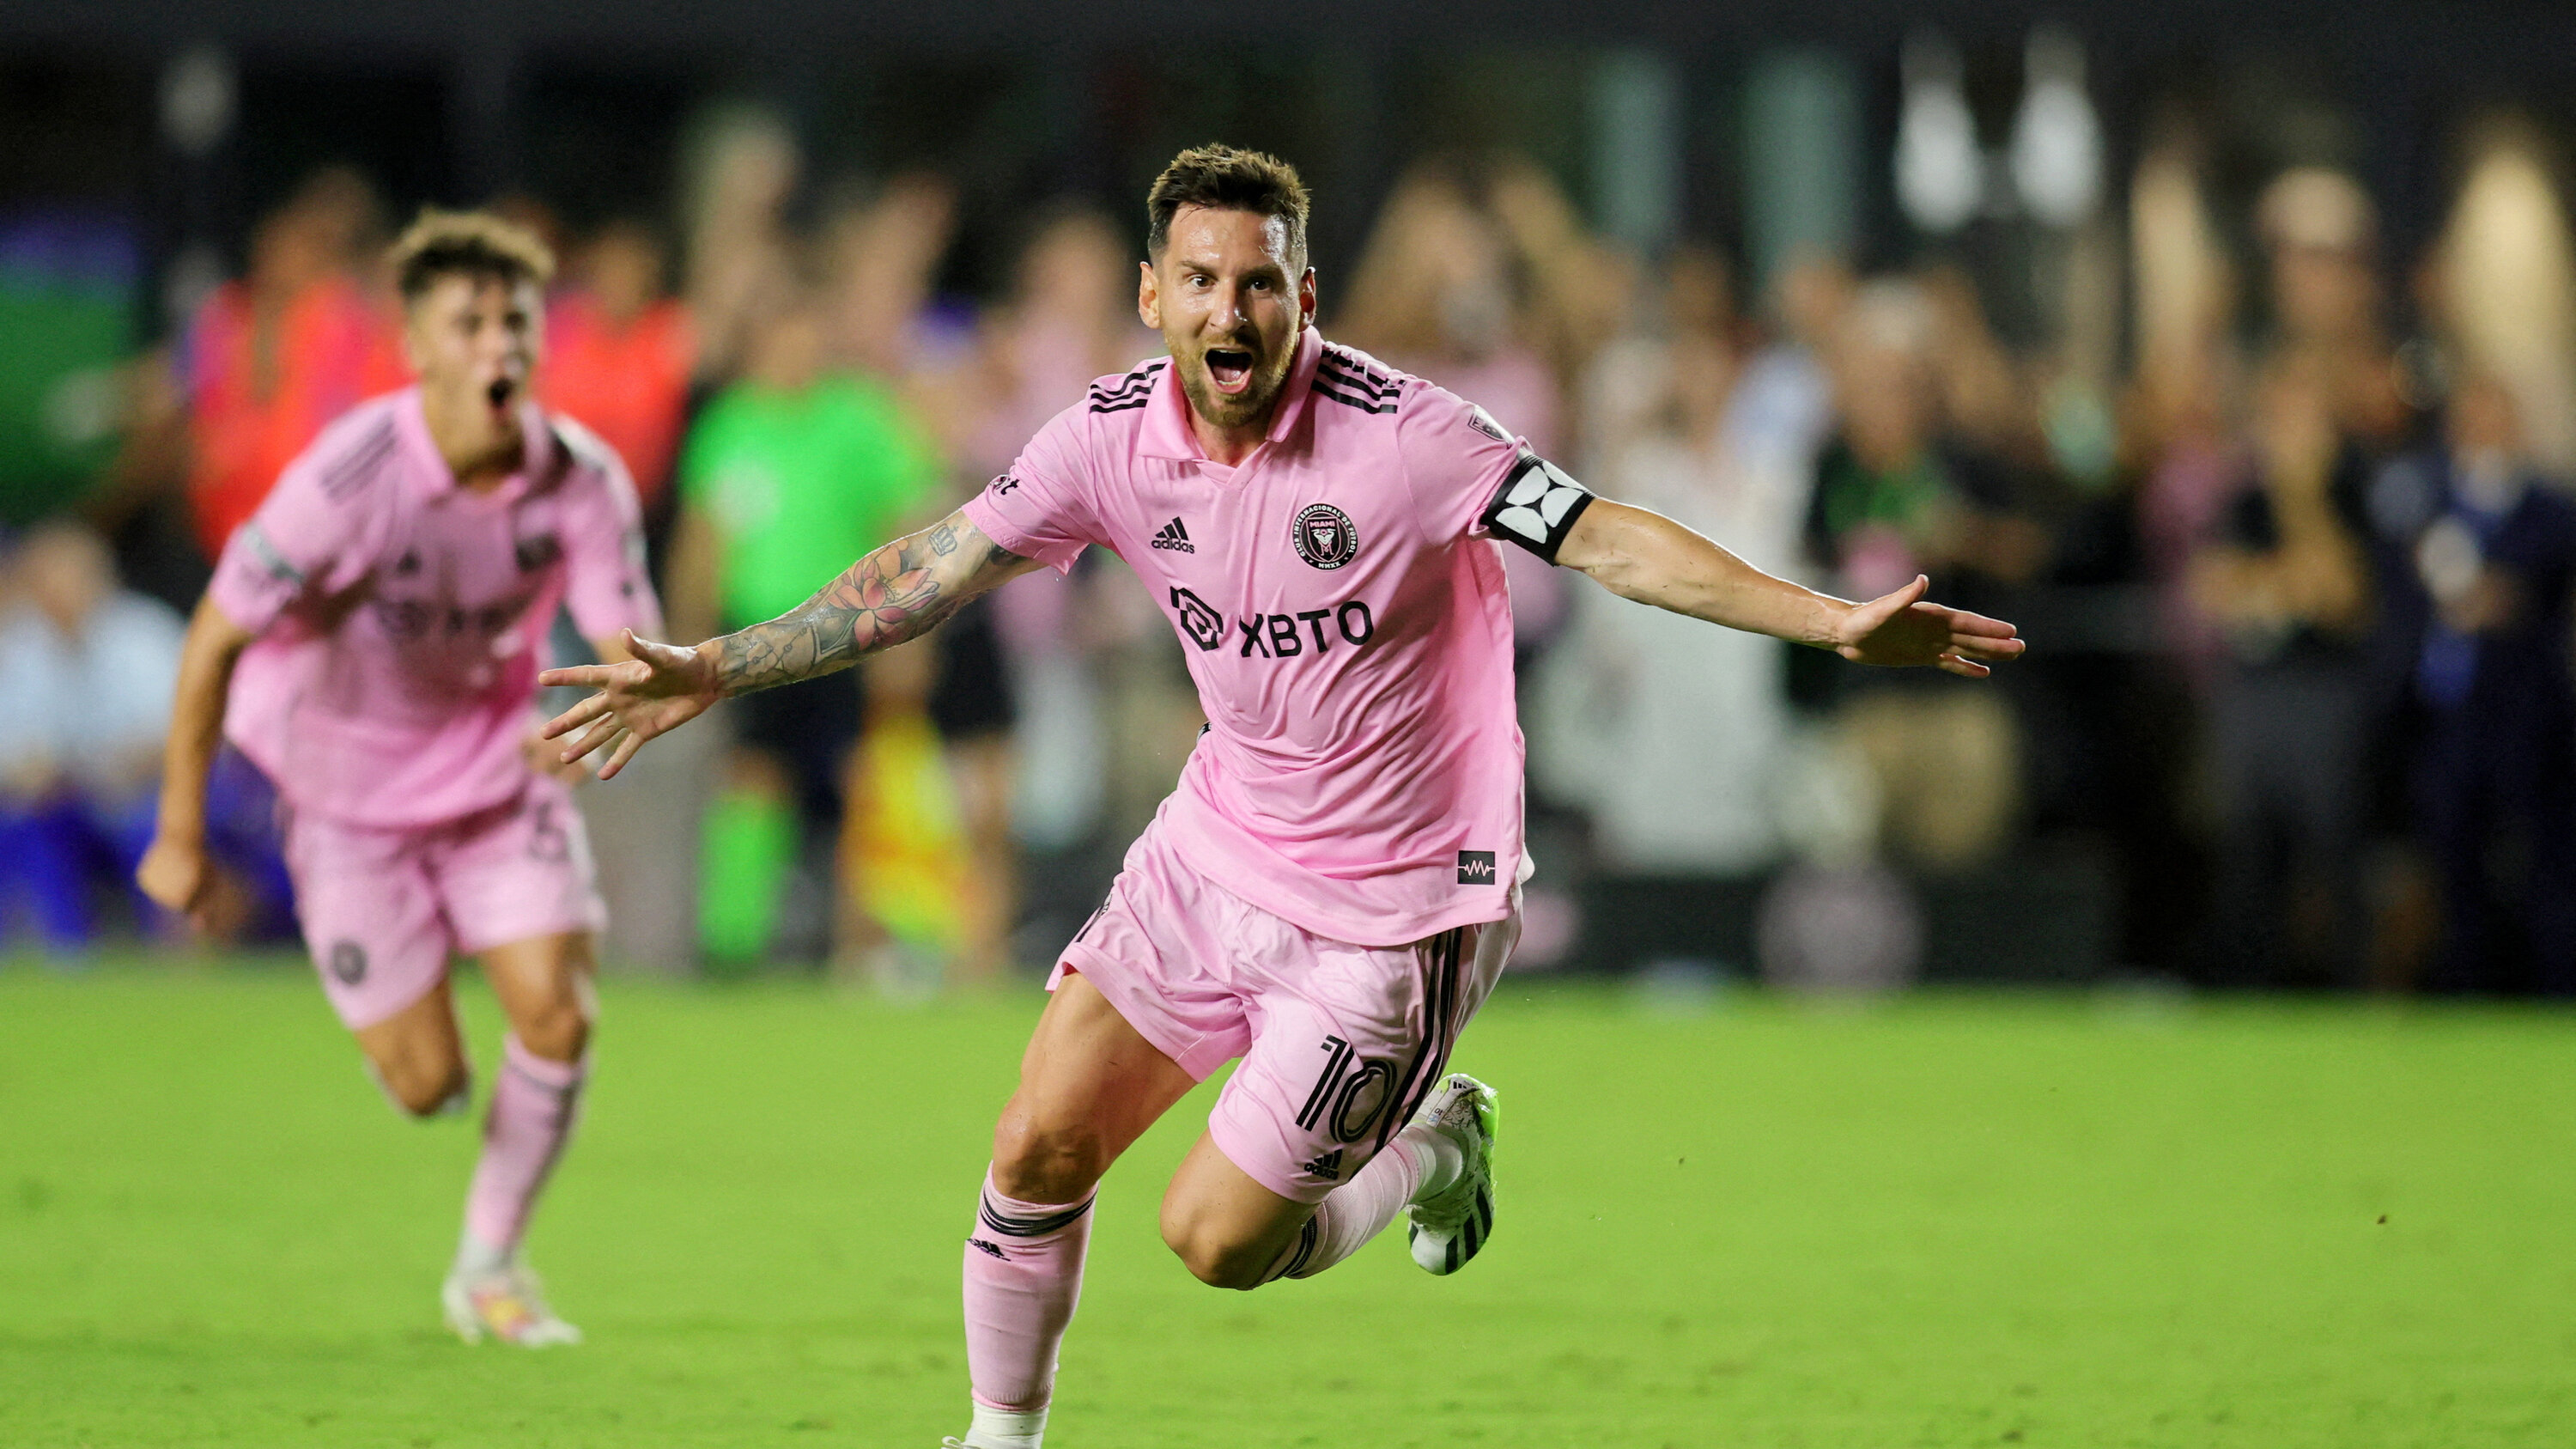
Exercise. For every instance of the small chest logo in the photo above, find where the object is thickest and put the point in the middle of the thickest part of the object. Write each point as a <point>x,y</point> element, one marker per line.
<point>1175,536</point>
<point>1324,536</point>
<point>536,551</point>
<point>1475,867</point>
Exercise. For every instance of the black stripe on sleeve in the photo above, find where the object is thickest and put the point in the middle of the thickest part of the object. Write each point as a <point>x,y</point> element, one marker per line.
<point>359,463</point>
<point>1381,389</point>
<point>1365,378</point>
<point>1141,380</point>
<point>1349,401</point>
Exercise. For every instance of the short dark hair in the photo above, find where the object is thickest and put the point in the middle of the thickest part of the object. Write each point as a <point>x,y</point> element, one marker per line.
<point>1227,179</point>
<point>471,243</point>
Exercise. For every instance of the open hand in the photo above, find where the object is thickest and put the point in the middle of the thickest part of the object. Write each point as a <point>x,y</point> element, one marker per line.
<point>654,691</point>
<point>1901,630</point>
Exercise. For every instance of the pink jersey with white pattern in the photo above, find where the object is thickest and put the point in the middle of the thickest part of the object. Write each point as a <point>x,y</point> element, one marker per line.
<point>1344,616</point>
<point>401,619</point>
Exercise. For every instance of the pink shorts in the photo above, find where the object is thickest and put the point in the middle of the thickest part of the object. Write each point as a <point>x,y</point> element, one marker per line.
<point>383,910</point>
<point>1340,1043</point>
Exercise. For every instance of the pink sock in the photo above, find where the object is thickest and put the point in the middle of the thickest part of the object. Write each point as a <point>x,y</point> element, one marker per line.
<point>1023,1276</point>
<point>1355,1212</point>
<point>533,1102</point>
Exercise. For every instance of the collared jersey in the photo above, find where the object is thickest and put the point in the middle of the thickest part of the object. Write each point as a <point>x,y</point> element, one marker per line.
<point>1344,616</point>
<point>402,619</point>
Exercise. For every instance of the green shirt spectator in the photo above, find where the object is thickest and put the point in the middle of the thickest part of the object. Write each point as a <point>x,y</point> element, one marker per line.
<point>799,482</point>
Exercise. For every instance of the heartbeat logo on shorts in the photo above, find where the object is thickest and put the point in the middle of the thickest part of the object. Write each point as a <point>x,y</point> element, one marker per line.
<point>1475,867</point>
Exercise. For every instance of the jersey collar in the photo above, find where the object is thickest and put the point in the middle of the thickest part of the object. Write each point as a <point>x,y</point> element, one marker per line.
<point>435,477</point>
<point>1166,432</point>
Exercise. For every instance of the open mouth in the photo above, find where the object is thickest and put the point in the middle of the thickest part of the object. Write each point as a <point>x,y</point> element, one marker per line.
<point>501,391</point>
<point>1230,368</point>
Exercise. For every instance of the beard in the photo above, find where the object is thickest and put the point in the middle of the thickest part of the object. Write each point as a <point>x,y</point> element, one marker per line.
<point>1269,378</point>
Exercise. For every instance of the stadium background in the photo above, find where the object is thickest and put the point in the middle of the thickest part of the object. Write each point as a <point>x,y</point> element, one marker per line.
<point>1698,251</point>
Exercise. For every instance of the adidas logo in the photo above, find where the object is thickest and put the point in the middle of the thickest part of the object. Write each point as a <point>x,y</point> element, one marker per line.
<point>1174,537</point>
<point>981,1246</point>
<point>1328,1167</point>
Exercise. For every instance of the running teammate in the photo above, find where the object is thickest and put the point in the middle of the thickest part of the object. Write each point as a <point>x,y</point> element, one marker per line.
<point>370,641</point>
<point>1333,888</point>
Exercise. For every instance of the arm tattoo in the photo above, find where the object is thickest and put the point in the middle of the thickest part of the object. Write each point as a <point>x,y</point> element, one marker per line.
<point>882,600</point>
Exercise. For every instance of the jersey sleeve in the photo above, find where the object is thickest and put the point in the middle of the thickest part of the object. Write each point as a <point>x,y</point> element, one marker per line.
<point>1042,507</point>
<point>308,538</point>
<point>606,584</point>
<point>1471,479</point>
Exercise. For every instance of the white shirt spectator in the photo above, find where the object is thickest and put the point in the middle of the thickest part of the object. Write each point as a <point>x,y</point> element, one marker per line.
<point>90,709</point>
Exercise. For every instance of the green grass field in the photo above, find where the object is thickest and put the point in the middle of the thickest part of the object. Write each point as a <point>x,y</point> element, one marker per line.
<point>1952,1220</point>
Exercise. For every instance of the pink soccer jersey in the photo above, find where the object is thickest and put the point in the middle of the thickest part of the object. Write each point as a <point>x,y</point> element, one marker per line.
<point>401,618</point>
<point>1341,603</point>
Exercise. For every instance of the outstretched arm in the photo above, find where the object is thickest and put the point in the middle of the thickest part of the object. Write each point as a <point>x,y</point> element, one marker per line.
<point>1653,560</point>
<point>899,592</point>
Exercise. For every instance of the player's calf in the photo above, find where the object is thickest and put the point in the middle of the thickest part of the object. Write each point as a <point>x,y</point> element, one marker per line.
<point>1226,1228</point>
<point>416,1058</point>
<point>424,1092</point>
<point>1220,1260</point>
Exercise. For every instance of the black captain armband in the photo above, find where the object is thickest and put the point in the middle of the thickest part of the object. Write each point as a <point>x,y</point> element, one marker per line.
<point>1536,507</point>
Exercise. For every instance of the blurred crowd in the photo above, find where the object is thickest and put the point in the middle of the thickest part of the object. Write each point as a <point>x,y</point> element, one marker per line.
<point>2287,519</point>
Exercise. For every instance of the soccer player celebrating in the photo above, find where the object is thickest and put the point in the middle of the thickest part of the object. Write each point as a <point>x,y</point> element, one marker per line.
<point>371,641</point>
<point>1331,891</point>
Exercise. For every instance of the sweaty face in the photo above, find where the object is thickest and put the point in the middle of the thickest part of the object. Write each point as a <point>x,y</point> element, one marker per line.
<point>474,342</point>
<point>1230,299</point>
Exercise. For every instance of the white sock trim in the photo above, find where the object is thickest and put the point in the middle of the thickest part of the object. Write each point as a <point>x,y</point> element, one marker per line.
<point>1006,1428</point>
<point>475,1257</point>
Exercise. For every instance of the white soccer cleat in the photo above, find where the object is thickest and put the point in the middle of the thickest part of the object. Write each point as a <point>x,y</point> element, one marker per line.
<point>1448,1227</point>
<point>507,1304</point>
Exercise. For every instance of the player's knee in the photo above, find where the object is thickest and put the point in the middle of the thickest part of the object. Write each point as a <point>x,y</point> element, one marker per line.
<point>1214,1255</point>
<point>559,1031</point>
<point>1213,1258</point>
<point>1046,1164</point>
<point>424,1087</point>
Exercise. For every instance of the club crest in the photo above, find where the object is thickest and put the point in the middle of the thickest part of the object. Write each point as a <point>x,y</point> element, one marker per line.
<point>1324,536</point>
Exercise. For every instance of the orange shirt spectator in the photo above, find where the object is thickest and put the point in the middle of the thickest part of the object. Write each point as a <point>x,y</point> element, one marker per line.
<point>258,395</point>
<point>619,356</point>
<point>628,383</point>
